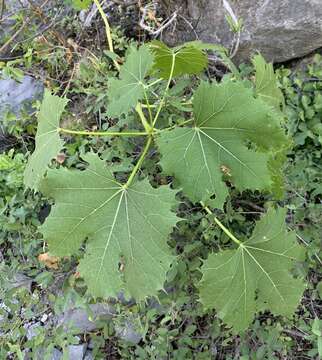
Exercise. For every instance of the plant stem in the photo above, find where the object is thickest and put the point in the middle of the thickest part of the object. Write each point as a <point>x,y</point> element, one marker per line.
<point>222,226</point>
<point>148,128</point>
<point>154,82</point>
<point>166,90</point>
<point>172,127</point>
<point>139,163</point>
<point>102,133</point>
<point>107,30</point>
<point>148,106</point>
<point>144,121</point>
<point>145,106</point>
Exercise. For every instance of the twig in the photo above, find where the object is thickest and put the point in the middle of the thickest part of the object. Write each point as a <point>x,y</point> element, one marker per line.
<point>12,38</point>
<point>251,204</point>
<point>306,244</point>
<point>124,3</point>
<point>87,22</point>
<point>1,8</point>
<point>190,25</point>
<point>294,333</point>
<point>44,19</point>
<point>42,31</point>
<point>149,29</point>
<point>235,20</point>
<point>69,81</point>
<point>38,12</point>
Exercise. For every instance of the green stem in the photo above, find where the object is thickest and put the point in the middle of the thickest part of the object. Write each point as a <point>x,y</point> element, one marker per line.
<point>148,106</point>
<point>139,163</point>
<point>154,82</point>
<point>166,90</point>
<point>144,121</point>
<point>223,228</point>
<point>107,30</point>
<point>102,133</point>
<point>145,106</point>
<point>172,127</point>
<point>154,106</point>
<point>149,130</point>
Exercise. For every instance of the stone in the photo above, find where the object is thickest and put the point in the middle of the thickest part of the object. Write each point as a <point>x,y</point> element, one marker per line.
<point>56,355</point>
<point>32,330</point>
<point>77,352</point>
<point>279,29</point>
<point>20,280</point>
<point>128,332</point>
<point>14,98</point>
<point>88,356</point>
<point>90,344</point>
<point>17,96</point>
<point>79,318</point>
<point>40,355</point>
<point>124,301</point>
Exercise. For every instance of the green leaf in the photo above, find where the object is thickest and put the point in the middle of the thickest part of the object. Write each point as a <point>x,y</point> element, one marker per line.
<point>188,59</point>
<point>319,289</point>
<point>266,83</point>
<point>80,4</point>
<point>320,346</point>
<point>221,51</point>
<point>226,117</point>
<point>256,276</point>
<point>48,142</point>
<point>125,92</point>
<point>317,327</point>
<point>276,167</point>
<point>111,55</point>
<point>126,229</point>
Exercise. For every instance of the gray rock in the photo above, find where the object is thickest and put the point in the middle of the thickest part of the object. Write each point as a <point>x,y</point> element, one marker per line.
<point>15,96</point>
<point>279,29</point>
<point>124,301</point>
<point>32,330</point>
<point>88,355</point>
<point>20,280</point>
<point>128,333</point>
<point>76,352</point>
<point>40,355</point>
<point>90,345</point>
<point>56,355</point>
<point>79,318</point>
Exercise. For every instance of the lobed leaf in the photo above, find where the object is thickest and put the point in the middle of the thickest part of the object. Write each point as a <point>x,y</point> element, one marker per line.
<point>125,92</point>
<point>226,118</point>
<point>255,276</point>
<point>276,166</point>
<point>126,229</point>
<point>221,51</point>
<point>188,59</point>
<point>48,142</point>
<point>266,83</point>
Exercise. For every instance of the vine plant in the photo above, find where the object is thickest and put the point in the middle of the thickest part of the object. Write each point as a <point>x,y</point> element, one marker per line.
<point>232,136</point>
